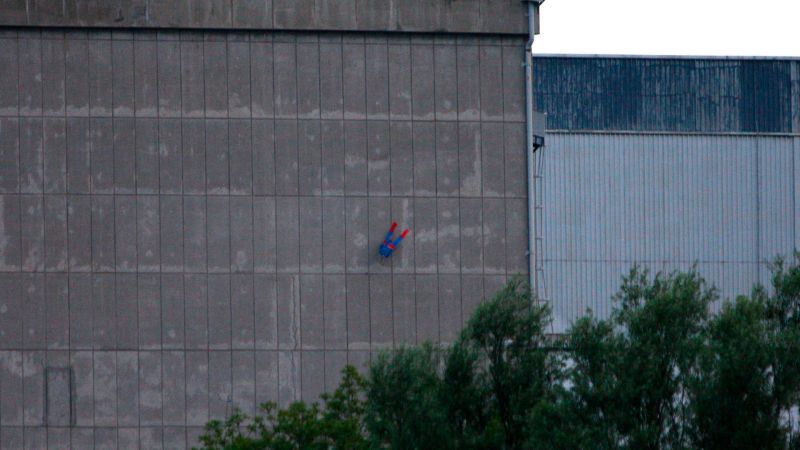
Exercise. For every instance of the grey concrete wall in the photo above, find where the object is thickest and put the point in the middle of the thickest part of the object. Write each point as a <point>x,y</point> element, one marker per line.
<point>453,16</point>
<point>189,222</point>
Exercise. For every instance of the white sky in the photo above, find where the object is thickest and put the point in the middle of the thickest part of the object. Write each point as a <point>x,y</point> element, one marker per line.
<point>670,27</point>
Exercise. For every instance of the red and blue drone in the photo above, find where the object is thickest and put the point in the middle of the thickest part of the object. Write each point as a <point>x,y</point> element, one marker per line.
<point>388,245</point>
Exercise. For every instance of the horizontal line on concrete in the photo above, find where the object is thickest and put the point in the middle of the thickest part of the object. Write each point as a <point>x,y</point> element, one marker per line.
<point>678,133</point>
<point>395,271</point>
<point>292,119</point>
<point>344,196</point>
<point>655,261</point>
<point>195,350</point>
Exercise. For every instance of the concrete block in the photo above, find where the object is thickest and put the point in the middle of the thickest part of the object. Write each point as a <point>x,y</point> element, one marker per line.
<point>263,163</point>
<point>55,155</point>
<point>55,235</point>
<point>331,80</point>
<point>377,81</point>
<point>102,156</point>
<point>149,294</point>
<point>359,359</point>
<point>124,156</point>
<point>515,160</point>
<point>82,438</point>
<point>146,156</point>
<point>219,236</point>
<point>217,157</point>
<point>357,234</point>
<point>380,219</point>
<point>266,377</point>
<point>104,309</point>
<point>219,312</point>
<point>10,218</point>
<point>127,310</point>
<point>468,66</point>
<point>220,395</point>
<point>424,145</point>
<point>293,14</point>
<point>333,224</point>
<point>82,363</point>
<point>79,218</point>
<point>335,362</point>
<point>215,73</point>
<point>244,382</point>
<point>239,79</point>
<point>100,78</point>
<point>308,80</point>
<point>9,155</point>
<point>261,79</point>
<point>265,311</point>
<point>169,78</point>
<point>422,82</point>
<point>471,295</point>
<point>469,159</point>
<point>125,231</point>
<point>170,157</point>
<point>33,379</point>
<point>285,79</point>
<point>448,235</point>
<point>192,79</point>
<point>336,14</point>
<point>195,292</point>
<point>53,77</point>
<point>105,438</point>
<point>309,158</point>
<point>9,77</point>
<point>122,78</point>
<point>427,303</point>
<point>517,236</point>
<point>59,438</point>
<point>151,437</point>
<point>33,311</point>
<point>404,309</point>
<point>491,77</point>
<point>11,377</point>
<point>355,158</point>
<point>57,311</point>
<point>147,233</point>
<point>241,237</point>
<point>313,375</point>
<point>287,227</point>
<point>401,159</point>
<point>76,53</point>
<point>425,235</point>
<point>513,83</point>
<point>289,381</point>
<point>311,234</point>
<point>174,387</point>
<point>145,85</point>
<point>32,233</point>
<point>31,156</point>
<point>172,311</point>
<point>447,181</point>
<point>445,82</point>
<point>36,438</point>
<point>334,312</point>
<point>105,389</point>
<point>492,160</point>
<point>80,311</point>
<point>102,233</point>
<point>242,311</point>
<point>264,234</point>
<point>378,151</point>
<point>354,80</point>
<point>241,157</point>
<point>252,14</point>
<point>494,236</point>
<point>399,68</point>
<point>171,233</point>
<point>193,154</point>
<point>380,309</point>
<point>311,312</point>
<point>373,15</point>
<point>450,316</point>
<point>402,212</point>
<point>197,366</point>
<point>151,398</point>
<point>286,157</point>
<point>358,317</point>
<point>471,229</point>
<point>288,322</point>
<point>333,157</point>
<point>78,156</point>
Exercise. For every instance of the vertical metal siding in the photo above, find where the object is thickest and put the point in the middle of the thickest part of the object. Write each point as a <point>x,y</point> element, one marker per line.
<point>727,203</point>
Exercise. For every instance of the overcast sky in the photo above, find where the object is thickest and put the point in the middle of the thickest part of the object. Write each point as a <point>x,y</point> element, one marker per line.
<point>670,27</point>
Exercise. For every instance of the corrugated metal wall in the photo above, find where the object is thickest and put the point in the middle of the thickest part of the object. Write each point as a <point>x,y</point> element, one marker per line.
<point>725,202</point>
<point>668,94</point>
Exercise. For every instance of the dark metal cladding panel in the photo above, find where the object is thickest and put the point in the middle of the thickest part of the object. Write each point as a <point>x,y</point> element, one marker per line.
<point>665,94</point>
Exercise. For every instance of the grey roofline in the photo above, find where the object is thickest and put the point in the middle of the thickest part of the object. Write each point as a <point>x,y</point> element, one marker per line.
<point>699,57</point>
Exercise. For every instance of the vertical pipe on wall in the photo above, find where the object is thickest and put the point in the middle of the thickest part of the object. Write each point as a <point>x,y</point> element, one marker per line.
<point>532,250</point>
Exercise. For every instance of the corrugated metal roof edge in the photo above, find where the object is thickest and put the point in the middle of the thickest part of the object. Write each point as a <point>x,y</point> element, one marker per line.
<point>699,57</point>
<point>677,133</point>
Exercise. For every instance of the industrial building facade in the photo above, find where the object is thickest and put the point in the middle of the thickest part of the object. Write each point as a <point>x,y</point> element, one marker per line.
<point>192,200</point>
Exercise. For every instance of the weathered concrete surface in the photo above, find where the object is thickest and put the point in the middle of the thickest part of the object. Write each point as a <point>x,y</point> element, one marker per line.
<point>189,221</point>
<point>452,16</point>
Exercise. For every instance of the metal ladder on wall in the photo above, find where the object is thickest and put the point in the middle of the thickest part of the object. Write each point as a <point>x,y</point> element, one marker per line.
<point>538,207</point>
